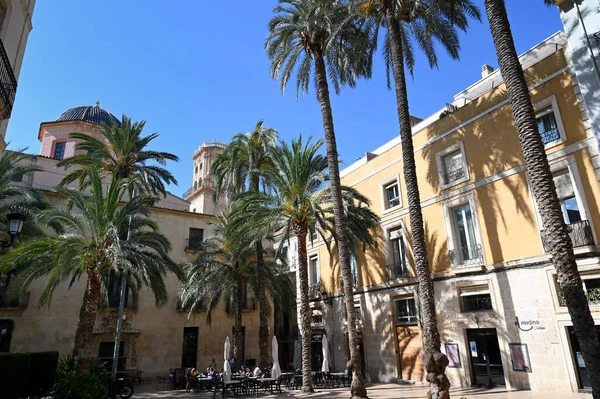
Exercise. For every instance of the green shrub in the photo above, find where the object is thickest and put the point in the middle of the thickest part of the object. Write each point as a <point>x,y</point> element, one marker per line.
<point>71,384</point>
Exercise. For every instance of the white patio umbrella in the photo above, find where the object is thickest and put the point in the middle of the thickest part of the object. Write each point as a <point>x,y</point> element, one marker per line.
<point>297,356</point>
<point>276,370</point>
<point>226,366</point>
<point>326,360</point>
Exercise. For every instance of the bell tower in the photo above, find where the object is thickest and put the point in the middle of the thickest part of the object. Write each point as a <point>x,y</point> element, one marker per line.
<point>200,195</point>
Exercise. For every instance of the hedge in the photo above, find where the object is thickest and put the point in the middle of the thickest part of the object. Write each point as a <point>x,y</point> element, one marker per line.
<point>27,374</point>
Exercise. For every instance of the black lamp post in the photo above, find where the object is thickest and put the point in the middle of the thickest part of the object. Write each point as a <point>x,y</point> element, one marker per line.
<point>15,225</point>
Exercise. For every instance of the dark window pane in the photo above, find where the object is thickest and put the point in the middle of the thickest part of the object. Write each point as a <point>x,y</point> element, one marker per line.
<point>59,151</point>
<point>476,303</point>
<point>406,311</point>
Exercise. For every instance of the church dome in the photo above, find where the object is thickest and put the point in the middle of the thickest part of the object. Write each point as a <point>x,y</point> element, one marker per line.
<point>90,114</point>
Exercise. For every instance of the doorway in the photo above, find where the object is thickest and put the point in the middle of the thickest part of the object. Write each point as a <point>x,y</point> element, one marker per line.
<point>189,353</point>
<point>580,369</point>
<point>486,359</point>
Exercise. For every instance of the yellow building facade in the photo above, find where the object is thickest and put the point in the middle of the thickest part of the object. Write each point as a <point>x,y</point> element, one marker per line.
<point>501,317</point>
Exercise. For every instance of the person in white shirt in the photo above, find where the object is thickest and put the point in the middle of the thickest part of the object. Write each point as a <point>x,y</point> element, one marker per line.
<point>257,372</point>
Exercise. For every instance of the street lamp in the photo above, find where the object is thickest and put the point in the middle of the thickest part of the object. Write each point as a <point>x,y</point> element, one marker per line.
<point>15,224</point>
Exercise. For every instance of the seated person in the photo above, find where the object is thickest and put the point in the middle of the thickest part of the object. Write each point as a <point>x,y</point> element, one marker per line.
<point>242,370</point>
<point>257,372</point>
<point>212,373</point>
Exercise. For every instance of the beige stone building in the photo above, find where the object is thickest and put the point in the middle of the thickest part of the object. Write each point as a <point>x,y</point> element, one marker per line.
<point>501,316</point>
<point>155,339</point>
<point>15,25</point>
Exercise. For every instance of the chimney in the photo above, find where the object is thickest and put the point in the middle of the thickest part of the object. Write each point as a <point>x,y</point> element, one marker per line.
<point>486,70</point>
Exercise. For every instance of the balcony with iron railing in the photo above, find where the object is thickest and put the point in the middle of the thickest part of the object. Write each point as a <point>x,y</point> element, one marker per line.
<point>200,184</point>
<point>550,135</point>
<point>466,256</point>
<point>580,233</point>
<point>19,303</point>
<point>8,85</point>
<point>397,270</point>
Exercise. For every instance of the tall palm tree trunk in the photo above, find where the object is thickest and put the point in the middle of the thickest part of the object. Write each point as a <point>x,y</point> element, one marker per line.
<point>435,361</point>
<point>357,388</point>
<point>544,191</point>
<point>84,343</point>
<point>237,330</point>
<point>263,306</point>
<point>304,310</point>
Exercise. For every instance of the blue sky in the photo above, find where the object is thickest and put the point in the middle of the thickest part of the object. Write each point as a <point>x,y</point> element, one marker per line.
<point>196,70</point>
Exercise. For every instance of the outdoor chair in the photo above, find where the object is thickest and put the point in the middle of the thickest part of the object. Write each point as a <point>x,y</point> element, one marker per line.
<point>217,384</point>
<point>164,381</point>
<point>191,383</point>
<point>279,381</point>
<point>179,379</point>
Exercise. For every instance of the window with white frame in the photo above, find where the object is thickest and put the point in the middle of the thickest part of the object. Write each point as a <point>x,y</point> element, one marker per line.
<point>464,228</point>
<point>591,287</point>
<point>547,126</point>
<point>452,165</point>
<point>475,299</point>
<point>405,310</point>
<point>314,233</point>
<point>391,193</point>
<point>398,260</point>
<point>566,196</point>
<point>313,270</point>
<point>549,123</point>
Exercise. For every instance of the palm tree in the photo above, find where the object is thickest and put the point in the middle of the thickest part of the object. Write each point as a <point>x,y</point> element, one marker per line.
<point>237,169</point>
<point>293,206</point>
<point>328,35</point>
<point>226,270</point>
<point>14,166</point>
<point>544,191</point>
<point>121,151</point>
<point>407,22</point>
<point>92,243</point>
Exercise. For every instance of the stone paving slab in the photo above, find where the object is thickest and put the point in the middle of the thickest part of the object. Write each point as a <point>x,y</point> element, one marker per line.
<point>376,391</point>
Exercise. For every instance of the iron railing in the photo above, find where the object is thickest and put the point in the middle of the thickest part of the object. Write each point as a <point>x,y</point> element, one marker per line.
<point>193,244</point>
<point>476,303</point>
<point>550,135</point>
<point>20,303</point>
<point>393,202</point>
<point>466,256</point>
<point>314,290</point>
<point>580,233</point>
<point>454,175</point>
<point>8,84</point>
<point>199,185</point>
<point>397,270</point>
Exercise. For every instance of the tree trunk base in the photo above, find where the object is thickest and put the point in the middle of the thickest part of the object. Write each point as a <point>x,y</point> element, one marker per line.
<point>307,390</point>
<point>439,385</point>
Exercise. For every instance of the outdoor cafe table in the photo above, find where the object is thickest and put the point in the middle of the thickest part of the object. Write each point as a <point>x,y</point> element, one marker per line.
<point>204,382</point>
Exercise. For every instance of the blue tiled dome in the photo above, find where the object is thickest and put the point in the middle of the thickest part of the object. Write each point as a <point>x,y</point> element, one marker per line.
<point>91,114</point>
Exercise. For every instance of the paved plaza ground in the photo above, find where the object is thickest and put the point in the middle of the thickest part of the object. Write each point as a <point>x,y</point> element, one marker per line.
<point>376,391</point>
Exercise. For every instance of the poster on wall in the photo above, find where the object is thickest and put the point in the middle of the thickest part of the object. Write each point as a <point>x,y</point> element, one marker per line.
<point>519,356</point>
<point>453,355</point>
<point>473,346</point>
